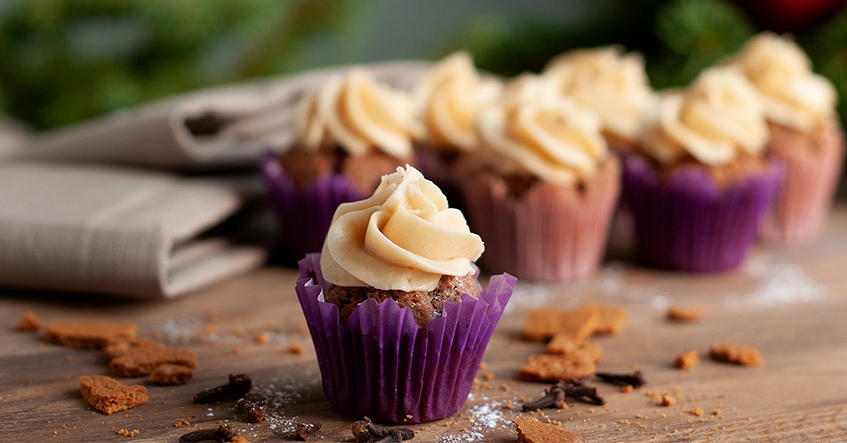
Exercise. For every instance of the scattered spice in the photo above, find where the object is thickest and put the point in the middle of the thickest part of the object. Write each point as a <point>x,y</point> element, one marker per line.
<point>128,433</point>
<point>223,433</point>
<point>367,431</point>
<point>555,395</point>
<point>636,379</point>
<point>238,385</point>
<point>255,411</point>
<point>304,430</point>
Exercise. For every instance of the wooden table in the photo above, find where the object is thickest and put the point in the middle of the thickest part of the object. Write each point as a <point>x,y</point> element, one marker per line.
<point>790,303</point>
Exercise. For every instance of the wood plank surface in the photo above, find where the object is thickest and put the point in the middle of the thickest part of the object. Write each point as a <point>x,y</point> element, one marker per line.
<point>790,303</point>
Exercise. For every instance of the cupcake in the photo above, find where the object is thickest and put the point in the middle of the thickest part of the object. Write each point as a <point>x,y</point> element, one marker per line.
<point>610,82</point>
<point>397,317</point>
<point>543,201</point>
<point>805,135</point>
<point>350,132</point>
<point>449,99</point>
<point>700,183</point>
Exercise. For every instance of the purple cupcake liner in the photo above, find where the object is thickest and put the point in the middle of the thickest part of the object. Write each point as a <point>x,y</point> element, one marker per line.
<point>686,223</point>
<point>304,217</point>
<point>382,365</point>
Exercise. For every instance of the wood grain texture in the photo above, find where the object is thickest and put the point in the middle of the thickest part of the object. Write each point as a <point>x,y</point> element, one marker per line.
<point>790,303</point>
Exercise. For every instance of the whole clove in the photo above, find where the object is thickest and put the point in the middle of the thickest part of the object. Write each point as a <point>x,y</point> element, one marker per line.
<point>636,379</point>
<point>366,430</point>
<point>237,386</point>
<point>255,412</point>
<point>223,433</point>
<point>302,430</point>
<point>555,395</point>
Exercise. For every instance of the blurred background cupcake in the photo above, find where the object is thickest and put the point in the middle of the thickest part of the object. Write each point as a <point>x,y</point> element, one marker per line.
<point>610,82</point>
<point>805,134</point>
<point>350,132</point>
<point>543,200</point>
<point>449,98</point>
<point>700,182</point>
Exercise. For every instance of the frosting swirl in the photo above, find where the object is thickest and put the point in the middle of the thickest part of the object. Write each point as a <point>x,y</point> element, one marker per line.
<point>356,113</point>
<point>607,80</point>
<point>450,97</point>
<point>532,129</point>
<point>404,237</point>
<point>716,117</point>
<point>792,94</point>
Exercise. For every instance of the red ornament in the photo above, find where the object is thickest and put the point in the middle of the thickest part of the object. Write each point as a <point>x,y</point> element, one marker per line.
<point>793,16</point>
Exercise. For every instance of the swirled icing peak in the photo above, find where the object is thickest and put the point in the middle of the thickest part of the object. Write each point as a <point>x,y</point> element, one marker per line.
<point>607,80</point>
<point>404,237</point>
<point>356,113</point>
<point>716,117</point>
<point>450,97</point>
<point>533,129</point>
<point>792,94</point>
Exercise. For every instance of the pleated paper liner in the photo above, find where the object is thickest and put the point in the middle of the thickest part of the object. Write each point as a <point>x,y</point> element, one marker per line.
<point>685,222</point>
<point>549,233</point>
<point>805,197</point>
<point>304,217</point>
<point>382,365</point>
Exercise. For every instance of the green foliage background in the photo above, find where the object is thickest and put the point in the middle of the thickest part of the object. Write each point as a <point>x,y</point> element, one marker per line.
<point>63,61</point>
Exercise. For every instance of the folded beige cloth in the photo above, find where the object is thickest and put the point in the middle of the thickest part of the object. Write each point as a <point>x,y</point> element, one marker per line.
<point>75,217</point>
<point>211,129</point>
<point>118,231</point>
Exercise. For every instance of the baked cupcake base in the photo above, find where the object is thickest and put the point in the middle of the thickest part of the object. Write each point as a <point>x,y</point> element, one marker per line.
<point>548,233</point>
<point>304,217</point>
<point>382,365</point>
<point>813,165</point>
<point>685,222</point>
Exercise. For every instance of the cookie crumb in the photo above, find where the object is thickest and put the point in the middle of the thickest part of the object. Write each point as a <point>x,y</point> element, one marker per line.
<point>530,430</point>
<point>687,360</point>
<point>133,358</point>
<point>128,433</point>
<point>685,314</point>
<point>546,367</point>
<point>735,353</point>
<point>29,322</point>
<point>668,400</point>
<point>610,319</point>
<point>108,395</point>
<point>698,411</point>
<point>170,374</point>
<point>295,349</point>
<point>91,334</point>
<point>567,345</point>
<point>543,324</point>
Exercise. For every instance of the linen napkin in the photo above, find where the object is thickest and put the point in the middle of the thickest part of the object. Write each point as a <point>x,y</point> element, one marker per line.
<point>100,206</point>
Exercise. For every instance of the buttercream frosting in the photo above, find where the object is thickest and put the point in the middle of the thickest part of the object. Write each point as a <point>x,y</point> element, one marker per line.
<point>450,98</point>
<point>358,114</point>
<point>404,237</point>
<point>792,94</point>
<point>533,129</point>
<point>607,80</point>
<point>716,117</point>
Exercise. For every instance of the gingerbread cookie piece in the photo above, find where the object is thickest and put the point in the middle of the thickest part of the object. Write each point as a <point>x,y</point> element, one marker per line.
<point>168,374</point>
<point>543,324</point>
<point>610,319</point>
<point>91,334</point>
<point>566,345</point>
<point>546,367</point>
<point>131,358</point>
<point>108,395</point>
<point>735,353</point>
<point>29,322</point>
<point>685,314</point>
<point>530,430</point>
